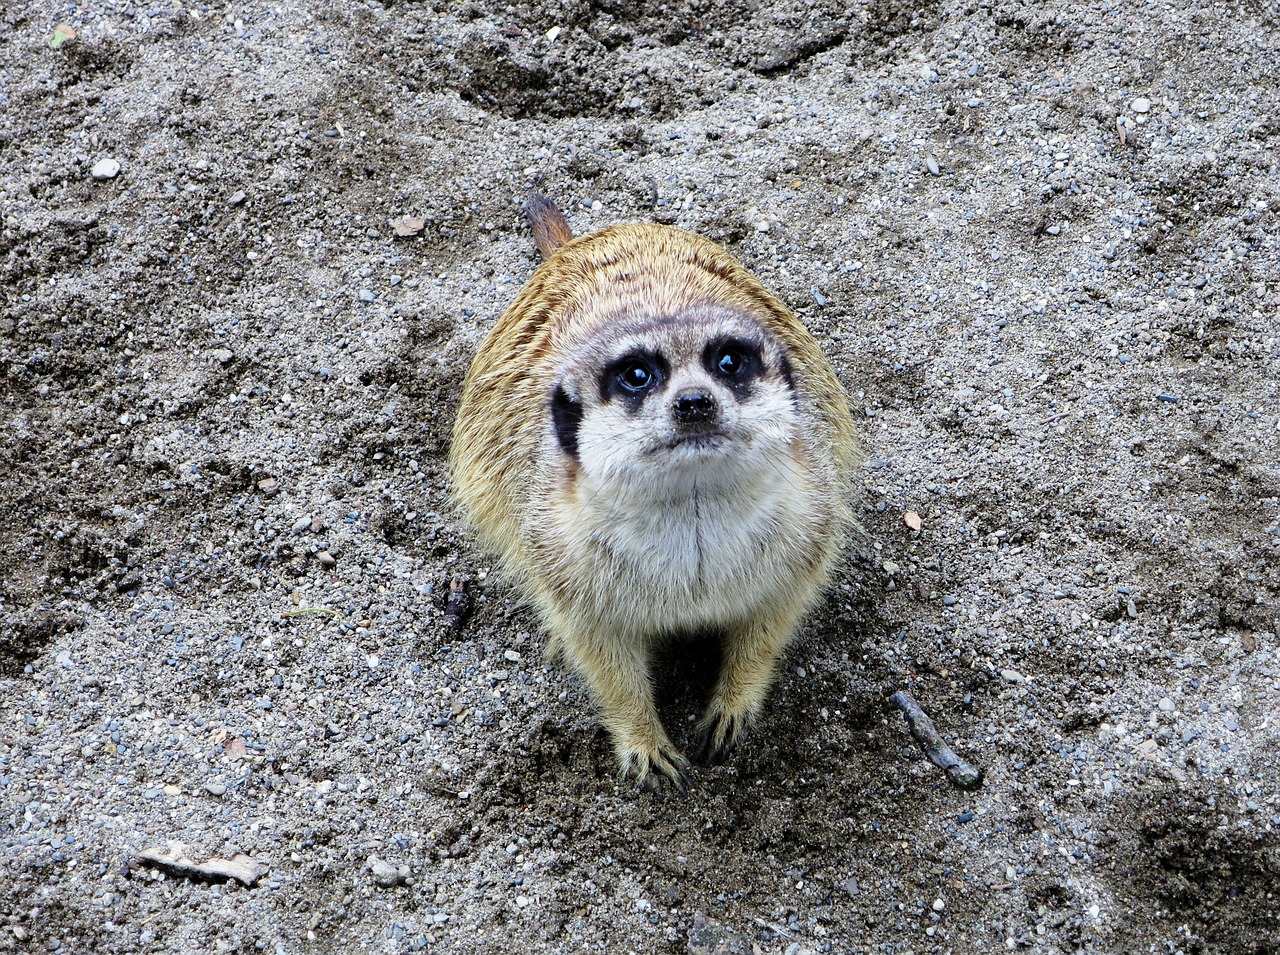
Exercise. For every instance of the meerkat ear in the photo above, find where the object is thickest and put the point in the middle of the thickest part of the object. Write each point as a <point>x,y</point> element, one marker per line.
<point>785,370</point>
<point>566,417</point>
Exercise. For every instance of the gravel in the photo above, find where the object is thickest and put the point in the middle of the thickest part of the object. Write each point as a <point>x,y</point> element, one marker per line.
<point>228,381</point>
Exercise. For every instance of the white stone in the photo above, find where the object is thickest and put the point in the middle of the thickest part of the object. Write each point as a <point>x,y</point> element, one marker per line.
<point>105,169</point>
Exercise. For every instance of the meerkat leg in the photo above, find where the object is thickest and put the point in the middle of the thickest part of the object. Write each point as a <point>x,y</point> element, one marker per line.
<point>618,672</point>
<point>746,673</point>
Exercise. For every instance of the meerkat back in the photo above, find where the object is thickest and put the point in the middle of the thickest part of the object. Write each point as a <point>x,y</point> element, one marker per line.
<point>653,445</point>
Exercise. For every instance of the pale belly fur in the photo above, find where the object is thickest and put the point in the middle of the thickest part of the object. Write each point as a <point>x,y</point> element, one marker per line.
<point>656,561</point>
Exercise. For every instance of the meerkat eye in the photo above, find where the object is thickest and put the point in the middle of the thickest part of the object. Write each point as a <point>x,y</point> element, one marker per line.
<point>737,362</point>
<point>730,362</point>
<point>635,377</point>
<point>733,359</point>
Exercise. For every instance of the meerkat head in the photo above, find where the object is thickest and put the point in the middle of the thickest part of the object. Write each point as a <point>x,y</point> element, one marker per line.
<point>701,398</point>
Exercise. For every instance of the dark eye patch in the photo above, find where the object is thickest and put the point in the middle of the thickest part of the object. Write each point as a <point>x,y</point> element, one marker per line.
<point>633,377</point>
<point>737,362</point>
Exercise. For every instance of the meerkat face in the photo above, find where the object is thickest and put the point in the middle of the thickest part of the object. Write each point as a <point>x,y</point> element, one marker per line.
<point>706,397</point>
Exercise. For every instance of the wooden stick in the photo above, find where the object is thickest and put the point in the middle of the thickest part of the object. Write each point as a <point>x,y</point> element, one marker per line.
<point>961,773</point>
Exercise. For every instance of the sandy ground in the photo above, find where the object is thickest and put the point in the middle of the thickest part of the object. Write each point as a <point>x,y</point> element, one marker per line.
<point>1039,242</point>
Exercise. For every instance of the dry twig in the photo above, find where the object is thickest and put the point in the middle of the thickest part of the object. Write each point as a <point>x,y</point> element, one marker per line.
<point>963,774</point>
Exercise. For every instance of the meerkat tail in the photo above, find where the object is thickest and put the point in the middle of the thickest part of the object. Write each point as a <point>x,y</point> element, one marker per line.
<point>550,230</point>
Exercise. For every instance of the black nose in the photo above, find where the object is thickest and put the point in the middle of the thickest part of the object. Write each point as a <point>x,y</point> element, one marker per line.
<point>694,407</point>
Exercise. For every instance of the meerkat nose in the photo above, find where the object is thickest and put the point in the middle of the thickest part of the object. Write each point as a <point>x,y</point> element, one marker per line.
<point>694,407</point>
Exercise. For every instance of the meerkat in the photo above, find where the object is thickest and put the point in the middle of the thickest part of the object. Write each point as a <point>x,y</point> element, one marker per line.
<point>653,446</point>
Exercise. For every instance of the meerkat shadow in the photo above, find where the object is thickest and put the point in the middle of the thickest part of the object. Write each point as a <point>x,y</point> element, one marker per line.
<point>684,673</point>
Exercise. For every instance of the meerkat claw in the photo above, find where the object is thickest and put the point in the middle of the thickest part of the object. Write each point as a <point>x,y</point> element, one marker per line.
<point>658,783</point>
<point>718,738</point>
<point>658,772</point>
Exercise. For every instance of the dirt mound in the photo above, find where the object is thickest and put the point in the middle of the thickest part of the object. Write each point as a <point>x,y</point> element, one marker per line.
<point>1039,243</point>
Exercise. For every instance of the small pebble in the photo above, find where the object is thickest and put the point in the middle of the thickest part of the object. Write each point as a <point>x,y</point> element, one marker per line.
<point>1166,704</point>
<point>932,165</point>
<point>387,875</point>
<point>105,169</point>
<point>1141,105</point>
<point>366,295</point>
<point>237,198</point>
<point>326,559</point>
<point>939,905</point>
<point>511,656</point>
<point>1013,676</point>
<point>215,789</point>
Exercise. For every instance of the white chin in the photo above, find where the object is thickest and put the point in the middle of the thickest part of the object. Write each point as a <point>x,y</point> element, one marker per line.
<point>705,463</point>
<point>699,445</point>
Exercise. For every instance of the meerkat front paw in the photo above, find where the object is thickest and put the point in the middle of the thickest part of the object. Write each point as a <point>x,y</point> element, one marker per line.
<point>655,767</point>
<point>718,733</point>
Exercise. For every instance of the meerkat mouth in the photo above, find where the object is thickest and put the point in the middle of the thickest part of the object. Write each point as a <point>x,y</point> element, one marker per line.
<point>699,440</point>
